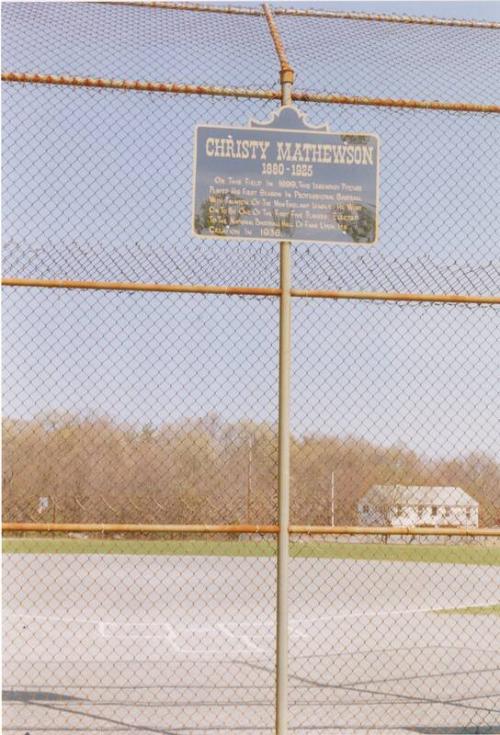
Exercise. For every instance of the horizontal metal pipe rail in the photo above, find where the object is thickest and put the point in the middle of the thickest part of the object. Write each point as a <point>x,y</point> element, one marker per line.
<point>245,528</point>
<point>265,94</point>
<point>155,287</point>
<point>391,531</point>
<point>251,291</point>
<point>303,13</point>
<point>197,7</point>
<point>393,296</point>
<point>387,18</point>
<point>139,528</point>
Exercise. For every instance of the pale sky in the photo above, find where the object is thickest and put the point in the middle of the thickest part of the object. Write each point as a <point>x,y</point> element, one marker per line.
<point>97,184</point>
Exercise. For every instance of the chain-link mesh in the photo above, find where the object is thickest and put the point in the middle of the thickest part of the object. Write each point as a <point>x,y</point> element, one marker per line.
<point>393,639</point>
<point>161,408</point>
<point>122,427</point>
<point>396,396</point>
<point>166,636</point>
<point>368,60</point>
<point>139,43</point>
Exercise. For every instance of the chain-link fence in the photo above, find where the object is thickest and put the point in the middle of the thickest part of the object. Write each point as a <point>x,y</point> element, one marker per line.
<point>140,393</point>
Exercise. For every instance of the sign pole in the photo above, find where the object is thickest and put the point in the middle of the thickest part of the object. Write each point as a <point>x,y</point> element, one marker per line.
<point>283,464</point>
<point>272,180</point>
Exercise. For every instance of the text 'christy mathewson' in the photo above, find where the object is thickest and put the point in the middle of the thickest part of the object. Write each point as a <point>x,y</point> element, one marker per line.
<point>360,154</point>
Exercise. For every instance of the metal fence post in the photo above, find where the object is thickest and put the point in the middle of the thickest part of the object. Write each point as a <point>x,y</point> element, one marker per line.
<point>283,465</point>
<point>283,491</point>
<point>286,79</point>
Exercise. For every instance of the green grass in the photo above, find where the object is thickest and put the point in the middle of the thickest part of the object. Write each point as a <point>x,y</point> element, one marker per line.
<point>475,610</point>
<point>457,554</point>
<point>195,547</point>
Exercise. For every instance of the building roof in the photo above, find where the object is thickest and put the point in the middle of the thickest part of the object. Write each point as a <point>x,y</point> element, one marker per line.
<point>419,495</point>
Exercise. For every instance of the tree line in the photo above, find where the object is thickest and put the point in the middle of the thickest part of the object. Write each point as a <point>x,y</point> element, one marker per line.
<point>67,468</point>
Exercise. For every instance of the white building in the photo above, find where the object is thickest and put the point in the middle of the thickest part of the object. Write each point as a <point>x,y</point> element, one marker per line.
<point>417,505</point>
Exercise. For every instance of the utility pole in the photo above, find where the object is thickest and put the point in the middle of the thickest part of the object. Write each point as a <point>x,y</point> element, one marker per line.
<point>249,476</point>
<point>332,499</point>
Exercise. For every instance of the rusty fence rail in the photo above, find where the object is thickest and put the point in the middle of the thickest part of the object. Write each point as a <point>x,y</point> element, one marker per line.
<point>127,528</point>
<point>254,291</point>
<point>262,94</point>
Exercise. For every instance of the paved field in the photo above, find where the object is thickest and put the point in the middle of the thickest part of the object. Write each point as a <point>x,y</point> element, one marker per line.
<point>185,645</point>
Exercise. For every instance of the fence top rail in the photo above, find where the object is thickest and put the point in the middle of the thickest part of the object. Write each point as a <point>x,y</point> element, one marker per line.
<point>265,94</point>
<point>246,528</point>
<point>312,13</point>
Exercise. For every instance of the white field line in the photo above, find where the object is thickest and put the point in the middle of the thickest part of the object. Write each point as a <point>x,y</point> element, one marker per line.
<point>232,627</point>
<point>126,631</point>
<point>393,613</point>
<point>243,637</point>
